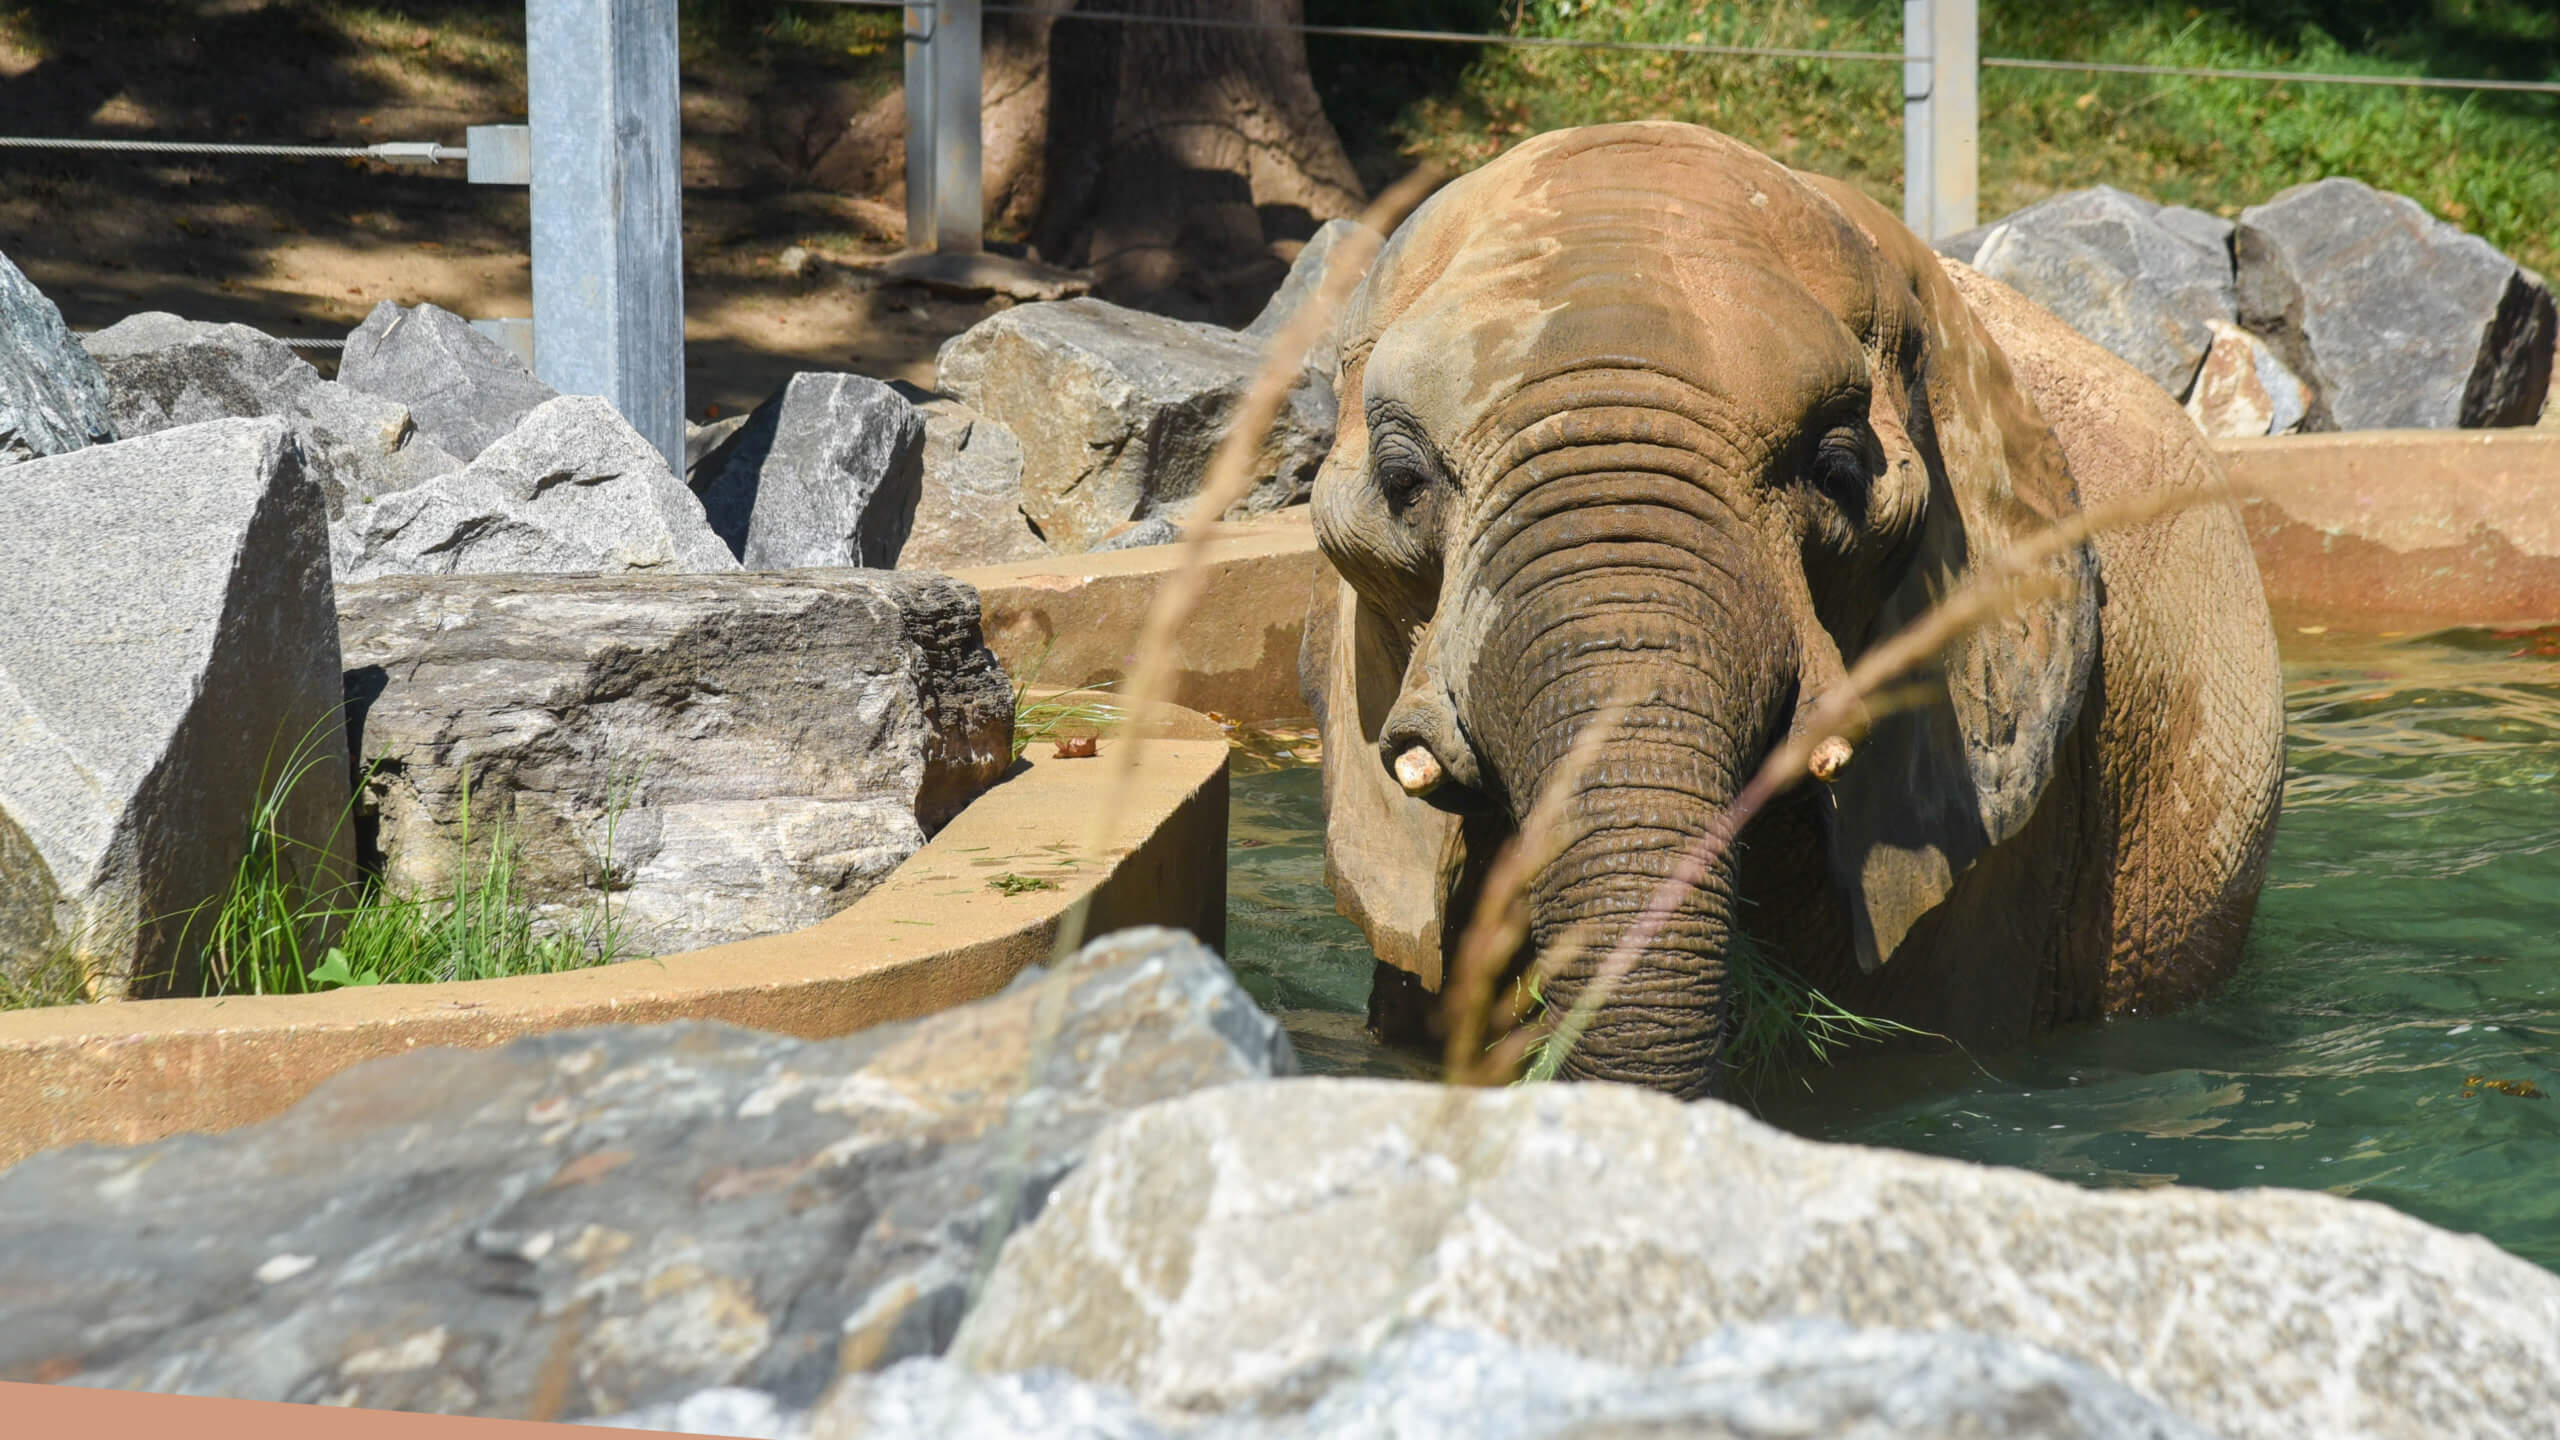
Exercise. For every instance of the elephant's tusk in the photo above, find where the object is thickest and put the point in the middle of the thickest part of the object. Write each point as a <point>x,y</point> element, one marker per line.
<point>1418,770</point>
<point>1829,758</point>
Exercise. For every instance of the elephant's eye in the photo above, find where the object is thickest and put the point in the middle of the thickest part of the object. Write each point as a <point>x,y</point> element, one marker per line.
<point>1401,485</point>
<point>1841,471</point>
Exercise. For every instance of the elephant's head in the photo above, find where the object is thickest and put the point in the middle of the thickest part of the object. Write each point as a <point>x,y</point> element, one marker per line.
<point>1636,410</point>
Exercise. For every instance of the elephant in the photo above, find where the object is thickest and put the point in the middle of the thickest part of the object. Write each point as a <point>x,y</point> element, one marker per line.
<point>1636,411</point>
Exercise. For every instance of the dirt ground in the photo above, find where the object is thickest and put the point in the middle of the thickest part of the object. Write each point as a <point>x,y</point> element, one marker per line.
<point>303,248</point>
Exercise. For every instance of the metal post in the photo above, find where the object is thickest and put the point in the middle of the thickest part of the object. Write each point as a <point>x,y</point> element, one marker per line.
<point>946,209</point>
<point>608,241</point>
<point>1941,115</point>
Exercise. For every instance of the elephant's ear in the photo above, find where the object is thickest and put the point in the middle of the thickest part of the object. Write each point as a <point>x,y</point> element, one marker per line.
<point>1961,753</point>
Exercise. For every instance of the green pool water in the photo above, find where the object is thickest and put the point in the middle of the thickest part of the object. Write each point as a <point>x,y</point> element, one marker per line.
<point>2408,939</point>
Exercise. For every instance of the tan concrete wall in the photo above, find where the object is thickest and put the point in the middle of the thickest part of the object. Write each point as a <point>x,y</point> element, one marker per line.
<point>931,936</point>
<point>2396,531</point>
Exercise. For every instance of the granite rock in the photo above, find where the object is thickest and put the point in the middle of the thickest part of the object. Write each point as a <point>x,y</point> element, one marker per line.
<point>647,1211</point>
<point>1264,1236</point>
<point>2394,318</point>
<point>52,398</point>
<point>825,472</point>
<point>572,489</point>
<point>465,388</point>
<point>969,504</point>
<point>168,647</point>
<point>720,756</point>
<point>2244,388</point>
<point>2107,264</point>
<point>1118,412</point>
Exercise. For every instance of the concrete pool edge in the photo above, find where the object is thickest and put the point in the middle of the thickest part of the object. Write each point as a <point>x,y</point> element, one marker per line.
<point>931,936</point>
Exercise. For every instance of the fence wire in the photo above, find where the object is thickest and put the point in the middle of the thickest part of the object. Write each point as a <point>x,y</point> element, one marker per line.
<point>398,152</point>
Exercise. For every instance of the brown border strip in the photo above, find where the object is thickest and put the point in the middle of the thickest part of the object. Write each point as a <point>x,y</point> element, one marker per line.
<point>61,1410</point>
<point>932,936</point>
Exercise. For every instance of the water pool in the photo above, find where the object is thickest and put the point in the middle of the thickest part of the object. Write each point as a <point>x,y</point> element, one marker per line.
<point>2406,950</point>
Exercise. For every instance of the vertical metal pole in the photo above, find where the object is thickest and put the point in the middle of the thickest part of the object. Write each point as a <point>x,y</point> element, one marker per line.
<point>1941,115</point>
<point>921,117</point>
<point>959,211</point>
<point>608,238</point>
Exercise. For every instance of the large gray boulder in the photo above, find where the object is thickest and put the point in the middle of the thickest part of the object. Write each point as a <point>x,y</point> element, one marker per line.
<point>1264,1235</point>
<point>645,1210</point>
<point>717,756</point>
<point>2395,318</point>
<point>1118,412</point>
<point>168,650</point>
<point>825,472</point>
<point>465,389</point>
<point>969,502</point>
<point>573,488</point>
<point>52,399</point>
<point>2147,284</point>
<point>163,371</point>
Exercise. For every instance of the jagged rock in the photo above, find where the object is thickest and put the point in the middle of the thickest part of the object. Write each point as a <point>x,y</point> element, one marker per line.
<point>572,489</point>
<point>2394,318</point>
<point>1265,1235</point>
<point>1138,534</point>
<point>52,399</point>
<point>465,389</point>
<point>167,647</point>
<point>2106,262</point>
<point>663,1208</point>
<point>702,440</point>
<point>737,754</point>
<point>825,472</point>
<point>1306,274</point>
<point>969,505</point>
<point>163,371</point>
<point>2244,387</point>
<point>1118,412</point>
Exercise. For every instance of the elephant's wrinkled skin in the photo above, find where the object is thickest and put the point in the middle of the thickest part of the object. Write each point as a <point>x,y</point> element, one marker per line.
<point>1636,405</point>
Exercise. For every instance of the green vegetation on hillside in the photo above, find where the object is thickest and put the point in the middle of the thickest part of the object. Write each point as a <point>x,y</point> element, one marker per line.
<point>2484,160</point>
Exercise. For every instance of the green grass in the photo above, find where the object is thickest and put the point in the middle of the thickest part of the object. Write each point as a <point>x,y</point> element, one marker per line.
<point>1055,716</point>
<point>2483,160</point>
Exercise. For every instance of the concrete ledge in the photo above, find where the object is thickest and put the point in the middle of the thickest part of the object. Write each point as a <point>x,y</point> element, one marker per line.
<point>1074,619</point>
<point>931,936</point>
<point>2390,531</point>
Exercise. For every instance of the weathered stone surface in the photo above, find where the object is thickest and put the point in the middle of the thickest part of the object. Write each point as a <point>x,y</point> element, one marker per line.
<point>167,643</point>
<point>1306,275</point>
<point>572,489</point>
<point>2394,318</point>
<point>163,371</point>
<point>52,399</point>
<point>2244,387</point>
<point>662,1208</point>
<point>1119,411</point>
<point>2104,261</point>
<point>777,742</point>
<point>1261,1235</point>
<point>969,504</point>
<point>1792,1378</point>
<point>825,472</point>
<point>465,389</point>
<point>701,440</point>
<point>1154,530</point>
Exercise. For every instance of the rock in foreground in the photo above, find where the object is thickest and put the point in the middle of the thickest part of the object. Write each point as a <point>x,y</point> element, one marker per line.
<point>465,388</point>
<point>825,472</point>
<point>1118,412</point>
<point>735,755</point>
<point>1264,1236</point>
<point>167,646</point>
<point>2395,318</point>
<point>52,399</point>
<point>663,1208</point>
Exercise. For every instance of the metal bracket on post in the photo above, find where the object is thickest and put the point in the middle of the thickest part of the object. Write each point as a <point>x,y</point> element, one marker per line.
<point>608,238</point>
<point>946,208</point>
<point>498,154</point>
<point>1941,115</point>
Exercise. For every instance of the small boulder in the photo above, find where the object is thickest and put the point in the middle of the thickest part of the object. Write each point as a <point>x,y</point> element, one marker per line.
<point>969,502</point>
<point>571,489</point>
<point>718,756</point>
<point>702,440</point>
<point>1139,534</point>
<point>163,372</point>
<point>651,1210</point>
<point>1118,412</point>
<point>465,389</point>
<point>168,649</point>
<point>2244,388</point>
<point>2106,263</point>
<point>825,472</point>
<point>2394,318</point>
<point>52,398</point>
